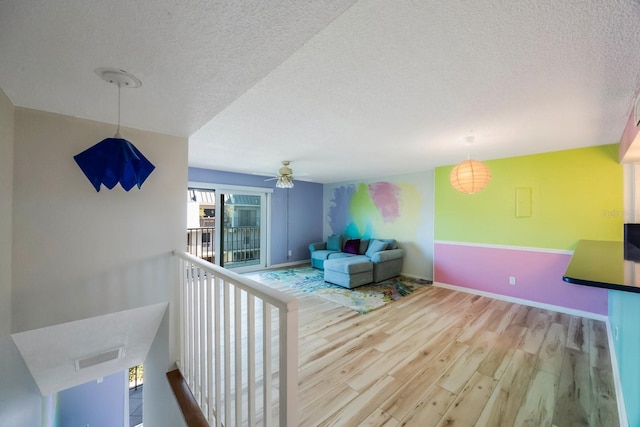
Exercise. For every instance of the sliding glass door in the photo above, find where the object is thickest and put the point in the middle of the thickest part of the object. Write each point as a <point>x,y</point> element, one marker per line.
<point>242,237</point>
<point>228,225</point>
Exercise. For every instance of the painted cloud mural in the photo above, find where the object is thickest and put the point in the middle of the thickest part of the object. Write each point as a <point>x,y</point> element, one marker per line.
<point>379,209</point>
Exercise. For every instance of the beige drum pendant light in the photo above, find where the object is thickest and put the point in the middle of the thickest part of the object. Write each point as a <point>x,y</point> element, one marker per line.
<point>470,176</point>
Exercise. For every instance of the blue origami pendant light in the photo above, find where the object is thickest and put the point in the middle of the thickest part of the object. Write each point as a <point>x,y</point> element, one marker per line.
<point>114,160</point>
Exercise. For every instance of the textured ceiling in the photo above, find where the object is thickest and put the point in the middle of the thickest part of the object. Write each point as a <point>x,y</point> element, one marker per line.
<point>194,57</point>
<point>344,89</point>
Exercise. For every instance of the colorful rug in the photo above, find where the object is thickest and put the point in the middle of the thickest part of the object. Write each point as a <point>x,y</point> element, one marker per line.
<point>362,299</point>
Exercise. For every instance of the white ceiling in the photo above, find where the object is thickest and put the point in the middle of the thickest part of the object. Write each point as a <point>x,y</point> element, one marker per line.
<point>50,353</point>
<point>345,89</point>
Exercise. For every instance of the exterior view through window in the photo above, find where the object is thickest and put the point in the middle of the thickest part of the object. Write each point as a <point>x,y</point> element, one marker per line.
<point>234,240</point>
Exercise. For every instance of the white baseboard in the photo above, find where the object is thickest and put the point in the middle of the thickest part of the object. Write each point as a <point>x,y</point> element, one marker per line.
<point>622,410</point>
<point>530,303</point>
<point>413,276</point>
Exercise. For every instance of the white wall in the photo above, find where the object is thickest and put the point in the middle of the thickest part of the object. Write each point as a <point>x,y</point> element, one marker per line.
<point>20,401</point>
<point>79,253</point>
<point>413,228</point>
<point>6,205</point>
<point>156,390</point>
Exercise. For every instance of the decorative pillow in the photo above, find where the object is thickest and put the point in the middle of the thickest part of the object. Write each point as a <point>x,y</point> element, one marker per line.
<point>352,246</point>
<point>334,242</point>
<point>376,246</point>
<point>391,243</point>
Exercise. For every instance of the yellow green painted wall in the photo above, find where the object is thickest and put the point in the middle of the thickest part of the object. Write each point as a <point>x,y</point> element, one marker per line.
<point>575,194</point>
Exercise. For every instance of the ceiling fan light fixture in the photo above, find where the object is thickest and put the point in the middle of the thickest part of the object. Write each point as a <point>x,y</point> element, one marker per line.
<point>284,181</point>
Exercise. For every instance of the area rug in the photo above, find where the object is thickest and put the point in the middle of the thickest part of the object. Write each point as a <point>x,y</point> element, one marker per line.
<point>362,299</point>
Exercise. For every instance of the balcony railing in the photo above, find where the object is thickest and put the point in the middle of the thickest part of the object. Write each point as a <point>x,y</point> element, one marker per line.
<point>201,242</point>
<point>238,346</point>
<point>241,244</point>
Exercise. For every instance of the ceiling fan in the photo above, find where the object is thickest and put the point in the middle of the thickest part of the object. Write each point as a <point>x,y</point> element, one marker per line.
<point>284,177</point>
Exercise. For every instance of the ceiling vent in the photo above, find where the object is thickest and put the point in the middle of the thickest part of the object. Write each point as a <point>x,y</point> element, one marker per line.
<point>97,359</point>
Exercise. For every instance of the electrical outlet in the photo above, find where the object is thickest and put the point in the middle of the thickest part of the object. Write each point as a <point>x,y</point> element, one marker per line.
<point>512,280</point>
<point>290,253</point>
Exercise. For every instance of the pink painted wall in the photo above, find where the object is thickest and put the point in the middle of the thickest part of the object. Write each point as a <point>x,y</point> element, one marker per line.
<point>538,275</point>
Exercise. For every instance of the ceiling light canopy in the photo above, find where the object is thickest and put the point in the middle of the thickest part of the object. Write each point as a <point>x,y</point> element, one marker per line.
<point>470,176</point>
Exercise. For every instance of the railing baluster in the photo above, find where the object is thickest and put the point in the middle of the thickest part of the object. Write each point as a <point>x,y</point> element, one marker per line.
<point>288,365</point>
<point>219,367</point>
<point>238,353</point>
<point>202,319</point>
<point>266,363</point>
<point>210,336</point>
<point>189,308</point>
<point>227,354</point>
<point>251,360</point>
<point>218,357</point>
<point>196,335</point>
<point>182,308</point>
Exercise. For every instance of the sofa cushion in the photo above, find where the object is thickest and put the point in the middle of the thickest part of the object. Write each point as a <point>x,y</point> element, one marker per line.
<point>391,243</point>
<point>350,265</point>
<point>364,244</point>
<point>376,246</point>
<point>322,254</point>
<point>334,242</point>
<point>334,255</point>
<point>352,246</point>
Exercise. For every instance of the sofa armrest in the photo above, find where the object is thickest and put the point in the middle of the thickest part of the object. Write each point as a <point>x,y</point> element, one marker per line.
<point>387,255</point>
<point>317,246</point>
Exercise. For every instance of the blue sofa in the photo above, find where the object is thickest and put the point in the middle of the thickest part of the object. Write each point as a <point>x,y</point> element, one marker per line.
<point>356,262</point>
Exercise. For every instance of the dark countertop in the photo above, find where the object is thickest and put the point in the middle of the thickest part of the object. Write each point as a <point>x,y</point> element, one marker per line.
<point>602,264</point>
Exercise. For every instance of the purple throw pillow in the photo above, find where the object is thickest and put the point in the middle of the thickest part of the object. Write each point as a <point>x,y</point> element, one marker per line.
<point>352,246</point>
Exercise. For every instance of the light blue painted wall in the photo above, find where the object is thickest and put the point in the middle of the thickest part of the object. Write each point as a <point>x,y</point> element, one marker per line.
<point>624,314</point>
<point>304,213</point>
<point>94,404</point>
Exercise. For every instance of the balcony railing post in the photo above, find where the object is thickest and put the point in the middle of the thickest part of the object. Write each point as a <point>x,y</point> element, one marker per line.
<point>289,367</point>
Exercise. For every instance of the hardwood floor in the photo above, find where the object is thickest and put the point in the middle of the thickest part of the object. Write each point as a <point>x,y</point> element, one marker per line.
<point>442,358</point>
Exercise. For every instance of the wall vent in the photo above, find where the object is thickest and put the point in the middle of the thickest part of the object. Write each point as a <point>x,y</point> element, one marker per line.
<point>99,358</point>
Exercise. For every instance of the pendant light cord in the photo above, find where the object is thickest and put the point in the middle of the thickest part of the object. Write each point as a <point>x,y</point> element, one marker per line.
<point>118,131</point>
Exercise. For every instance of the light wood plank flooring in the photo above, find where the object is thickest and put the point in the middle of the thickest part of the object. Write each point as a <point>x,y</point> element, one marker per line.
<point>445,358</point>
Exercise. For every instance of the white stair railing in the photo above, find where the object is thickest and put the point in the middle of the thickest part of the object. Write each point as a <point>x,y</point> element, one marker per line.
<point>238,346</point>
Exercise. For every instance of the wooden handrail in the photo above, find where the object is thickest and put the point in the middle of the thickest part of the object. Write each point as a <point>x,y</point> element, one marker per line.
<point>192,413</point>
